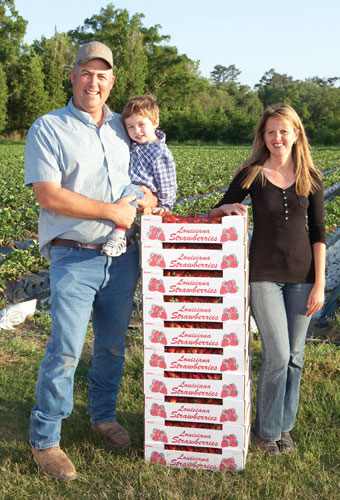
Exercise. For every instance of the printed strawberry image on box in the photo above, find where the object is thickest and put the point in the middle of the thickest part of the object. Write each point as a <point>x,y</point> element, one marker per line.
<point>229,258</point>
<point>186,230</point>
<point>228,460</point>
<point>191,434</point>
<point>232,283</point>
<point>229,309</point>
<point>200,385</point>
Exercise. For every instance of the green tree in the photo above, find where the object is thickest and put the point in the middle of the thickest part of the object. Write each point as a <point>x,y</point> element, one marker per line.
<point>12,32</point>
<point>57,55</point>
<point>3,99</point>
<point>222,74</point>
<point>123,34</point>
<point>34,98</point>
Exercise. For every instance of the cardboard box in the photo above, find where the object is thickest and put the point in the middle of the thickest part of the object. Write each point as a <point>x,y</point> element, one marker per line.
<point>230,257</point>
<point>232,229</point>
<point>227,461</point>
<point>233,283</point>
<point>234,412</point>
<point>231,361</point>
<point>231,386</point>
<point>232,335</point>
<point>229,437</point>
<point>232,309</point>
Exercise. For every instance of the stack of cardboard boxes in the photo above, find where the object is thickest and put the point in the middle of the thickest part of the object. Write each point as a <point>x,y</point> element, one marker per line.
<point>196,341</point>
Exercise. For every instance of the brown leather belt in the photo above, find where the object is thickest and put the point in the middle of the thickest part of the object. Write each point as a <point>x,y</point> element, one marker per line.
<point>61,242</point>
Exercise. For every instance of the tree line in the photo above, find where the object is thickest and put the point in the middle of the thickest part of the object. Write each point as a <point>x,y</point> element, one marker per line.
<point>34,79</point>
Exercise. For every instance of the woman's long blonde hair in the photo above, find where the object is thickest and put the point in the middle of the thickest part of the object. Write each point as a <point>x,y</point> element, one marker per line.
<point>306,174</point>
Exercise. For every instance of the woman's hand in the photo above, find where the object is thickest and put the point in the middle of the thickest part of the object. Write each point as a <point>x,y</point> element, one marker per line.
<point>229,209</point>
<point>316,300</point>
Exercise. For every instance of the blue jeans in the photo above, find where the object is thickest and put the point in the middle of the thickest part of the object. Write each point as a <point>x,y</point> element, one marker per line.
<point>83,281</point>
<point>279,310</point>
<point>133,189</point>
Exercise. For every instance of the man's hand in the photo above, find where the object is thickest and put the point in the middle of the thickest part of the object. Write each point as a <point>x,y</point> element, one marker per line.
<point>149,200</point>
<point>124,212</point>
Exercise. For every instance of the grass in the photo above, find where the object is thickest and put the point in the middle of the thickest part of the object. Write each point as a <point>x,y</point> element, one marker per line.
<point>104,473</point>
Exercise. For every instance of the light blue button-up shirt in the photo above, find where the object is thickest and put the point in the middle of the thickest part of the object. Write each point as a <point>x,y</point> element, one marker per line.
<point>67,146</point>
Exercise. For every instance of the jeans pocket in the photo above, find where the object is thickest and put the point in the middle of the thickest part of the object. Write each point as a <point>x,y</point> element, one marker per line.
<point>58,253</point>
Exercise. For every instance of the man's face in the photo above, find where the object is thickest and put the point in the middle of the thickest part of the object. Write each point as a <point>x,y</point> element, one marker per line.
<point>92,83</point>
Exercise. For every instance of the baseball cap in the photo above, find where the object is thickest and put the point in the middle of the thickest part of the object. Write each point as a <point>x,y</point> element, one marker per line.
<point>94,50</point>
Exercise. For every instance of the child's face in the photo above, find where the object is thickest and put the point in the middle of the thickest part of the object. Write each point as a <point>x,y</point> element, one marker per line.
<point>141,129</point>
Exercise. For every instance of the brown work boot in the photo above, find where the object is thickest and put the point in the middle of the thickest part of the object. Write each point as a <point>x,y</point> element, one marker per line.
<point>55,463</point>
<point>114,433</point>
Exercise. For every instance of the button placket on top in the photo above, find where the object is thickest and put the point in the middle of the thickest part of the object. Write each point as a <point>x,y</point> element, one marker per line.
<point>285,204</point>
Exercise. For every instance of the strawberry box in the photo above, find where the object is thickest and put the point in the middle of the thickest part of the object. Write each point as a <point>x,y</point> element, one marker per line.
<point>214,361</point>
<point>156,283</point>
<point>234,460</point>
<point>158,384</point>
<point>231,229</point>
<point>226,309</point>
<point>232,335</point>
<point>229,257</point>
<point>221,436</point>
<point>210,411</point>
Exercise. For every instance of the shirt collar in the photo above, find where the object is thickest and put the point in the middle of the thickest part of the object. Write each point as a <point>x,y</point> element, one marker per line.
<point>86,117</point>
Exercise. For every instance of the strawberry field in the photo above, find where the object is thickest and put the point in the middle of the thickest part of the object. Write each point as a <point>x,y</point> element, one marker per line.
<point>203,172</point>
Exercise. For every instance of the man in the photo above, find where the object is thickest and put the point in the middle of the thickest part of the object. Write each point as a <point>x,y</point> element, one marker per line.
<point>77,160</point>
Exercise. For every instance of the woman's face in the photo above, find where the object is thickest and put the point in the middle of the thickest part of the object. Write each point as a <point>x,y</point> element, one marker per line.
<point>279,136</point>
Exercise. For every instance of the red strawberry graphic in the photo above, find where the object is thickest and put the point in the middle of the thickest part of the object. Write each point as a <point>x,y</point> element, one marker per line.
<point>155,410</point>
<point>233,339</point>
<point>163,390</point>
<point>154,360</point>
<point>160,287</point>
<point>233,313</point>
<point>154,457</point>
<point>161,362</point>
<point>224,366</point>
<point>225,340</point>
<point>233,391</point>
<point>161,236</point>
<point>233,262</point>
<point>155,436</point>
<point>163,437</point>
<point>154,387</point>
<point>162,339</point>
<point>225,315</point>
<point>225,391</point>
<point>162,313</point>
<point>152,234</point>
<point>161,411</point>
<point>161,459</point>
<point>228,464</point>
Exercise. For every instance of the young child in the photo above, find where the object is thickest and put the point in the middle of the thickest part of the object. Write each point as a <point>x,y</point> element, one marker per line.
<point>151,164</point>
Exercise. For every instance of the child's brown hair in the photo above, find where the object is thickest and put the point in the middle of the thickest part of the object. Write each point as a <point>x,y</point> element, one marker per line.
<point>144,105</point>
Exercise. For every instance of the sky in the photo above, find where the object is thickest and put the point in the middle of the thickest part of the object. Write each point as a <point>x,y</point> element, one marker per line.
<point>300,38</point>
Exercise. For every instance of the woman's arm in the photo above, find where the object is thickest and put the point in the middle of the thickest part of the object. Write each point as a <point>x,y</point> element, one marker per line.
<point>317,295</point>
<point>229,209</point>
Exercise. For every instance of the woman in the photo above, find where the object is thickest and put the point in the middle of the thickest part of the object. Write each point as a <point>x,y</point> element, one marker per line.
<point>287,263</point>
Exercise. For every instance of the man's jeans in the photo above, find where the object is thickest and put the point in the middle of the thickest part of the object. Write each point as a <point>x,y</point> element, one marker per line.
<point>81,280</point>
<point>279,311</point>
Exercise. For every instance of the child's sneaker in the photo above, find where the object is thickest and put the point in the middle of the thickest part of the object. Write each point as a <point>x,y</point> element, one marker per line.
<point>116,244</point>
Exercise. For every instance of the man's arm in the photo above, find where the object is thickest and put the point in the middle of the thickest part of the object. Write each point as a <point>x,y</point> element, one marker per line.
<point>53,197</point>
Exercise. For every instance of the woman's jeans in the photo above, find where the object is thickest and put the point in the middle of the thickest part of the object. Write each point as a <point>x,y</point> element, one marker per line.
<point>83,281</point>
<point>279,310</point>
